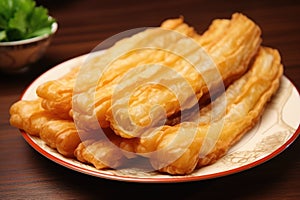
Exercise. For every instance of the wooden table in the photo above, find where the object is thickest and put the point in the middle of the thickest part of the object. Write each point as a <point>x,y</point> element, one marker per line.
<point>25,174</point>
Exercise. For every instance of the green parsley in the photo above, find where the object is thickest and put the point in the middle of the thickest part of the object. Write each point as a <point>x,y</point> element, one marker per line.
<point>22,19</point>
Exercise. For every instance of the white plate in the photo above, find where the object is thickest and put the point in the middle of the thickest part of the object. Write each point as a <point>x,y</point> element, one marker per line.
<point>277,129</point>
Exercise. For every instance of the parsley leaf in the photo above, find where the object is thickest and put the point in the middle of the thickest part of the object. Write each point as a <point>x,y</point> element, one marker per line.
<point>22,19</point>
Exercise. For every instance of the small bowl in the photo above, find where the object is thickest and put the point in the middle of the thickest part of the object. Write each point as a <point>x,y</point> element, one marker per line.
<point>17,56</point>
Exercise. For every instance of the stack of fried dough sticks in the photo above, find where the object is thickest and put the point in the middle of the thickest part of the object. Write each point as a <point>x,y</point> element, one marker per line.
<point>82,114</point>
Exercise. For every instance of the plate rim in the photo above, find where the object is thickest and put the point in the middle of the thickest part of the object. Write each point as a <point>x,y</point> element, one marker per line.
<point>175,179</point>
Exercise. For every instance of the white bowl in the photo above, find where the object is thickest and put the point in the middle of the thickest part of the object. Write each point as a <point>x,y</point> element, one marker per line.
<point>17,56</point>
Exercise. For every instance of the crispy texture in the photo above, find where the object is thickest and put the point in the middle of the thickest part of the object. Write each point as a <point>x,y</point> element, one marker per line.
<point>84,104</point>
<point>231,55</point>
<point>246,99</point>
<point>57,133</point>
<point>200,139</point>
<point>232,61</point>
<point>182,148</point>
<point>29,116</point>
<point>102,154</point>
<point>248,107</point>
<point>61,135</point>
<point>56,94</point>
<point>240,116</point>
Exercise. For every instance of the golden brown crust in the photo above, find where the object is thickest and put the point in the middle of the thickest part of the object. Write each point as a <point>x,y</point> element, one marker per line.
<point>256,92</point>
<point>57,133</point>
<point>135,55</point>
<point>29,116</point>
<point>241,115</point>
<point>56,94</point>
<point>61,135</point>
<point>182,148</point>
<point>102,154</point>
<point>201,139</point>
<point>231,55</point>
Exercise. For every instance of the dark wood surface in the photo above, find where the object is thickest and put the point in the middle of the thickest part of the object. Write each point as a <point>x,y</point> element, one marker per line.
<point>83,24</point>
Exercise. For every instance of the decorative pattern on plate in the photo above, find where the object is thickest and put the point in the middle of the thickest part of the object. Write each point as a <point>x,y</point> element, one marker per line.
<point>265,146</point>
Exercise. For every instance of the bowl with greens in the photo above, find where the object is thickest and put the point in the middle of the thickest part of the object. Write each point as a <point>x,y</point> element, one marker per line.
<point>25,33</point>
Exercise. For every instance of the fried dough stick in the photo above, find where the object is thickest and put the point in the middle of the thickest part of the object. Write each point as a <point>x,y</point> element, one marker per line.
<point>231,55</point>
<point>57,94</point>
<point>182,148</point>
<point>57,133</point>
<point>62,135</point>
<point>29,116</point>
<point>102,154</point>
<point>84,103</point>
<point>216,109</point>
<point>246,99</point>
<point>86,108</point>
